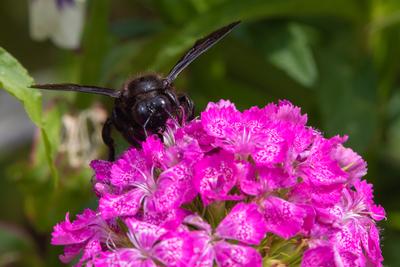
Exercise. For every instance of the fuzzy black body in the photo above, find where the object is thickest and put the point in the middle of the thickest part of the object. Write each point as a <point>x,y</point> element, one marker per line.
<point>143,108</point>
<point>144,104</point>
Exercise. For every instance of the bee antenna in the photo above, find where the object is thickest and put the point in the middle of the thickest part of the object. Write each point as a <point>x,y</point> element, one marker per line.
<point>79,88</point>
<point>199,48</point>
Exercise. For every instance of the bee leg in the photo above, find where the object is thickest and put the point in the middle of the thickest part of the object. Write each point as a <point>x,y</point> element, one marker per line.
<point>107,139</point>
<point>134,135</point>
<point>187,104</point>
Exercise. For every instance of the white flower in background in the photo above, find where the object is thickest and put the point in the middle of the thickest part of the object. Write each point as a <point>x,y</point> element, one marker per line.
<point>60,20</point>
<point>81,138</point>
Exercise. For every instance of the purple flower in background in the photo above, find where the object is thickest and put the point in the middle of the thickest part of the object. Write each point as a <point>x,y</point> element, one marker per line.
<point>59,20</point>
<point>233,189</point>
<point>63,3</point>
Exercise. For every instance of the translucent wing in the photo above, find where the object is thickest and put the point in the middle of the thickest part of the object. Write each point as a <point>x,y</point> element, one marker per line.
<point>78,88</point>
<point>199,48</point>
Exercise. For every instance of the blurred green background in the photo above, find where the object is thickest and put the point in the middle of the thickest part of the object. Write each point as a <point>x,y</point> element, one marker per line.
<point>339,60</point>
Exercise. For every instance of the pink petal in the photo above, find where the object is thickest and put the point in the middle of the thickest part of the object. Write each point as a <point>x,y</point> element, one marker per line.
<point>371,244</point>
<point>182,175</point>
<point>319,197</point>
<point>101,169</point>
<point>347,239</point>
<point>320,169</point>
<point>128,204</point>
<point>273,146</point>
<point>195,130</point>
<point>123,257</point>
<point>377,212</point>
<point>154,152</point>
<point>82,220</point>
<point>348,259</point>
<point>283,218</point>
<point>351,162</point>
<point>236,255</point>
<point>276,178</point>
<point>309,219</point>
<point>203,251</point>
<point>215,176</point>
<point>169,220</point>
<point>244,223</point>
<point>129,168</point>
<point>186,150</point>
<point>252,187</point>
<point>101,189</point>
<point>219,118</point>
<point>91,250</point>
<point>175,249</point>
<point>143,235</point>
<point>174,187</point>
<point>255,121</point>
<point>365,192</point>
<point>198,222</point>
<point>319,256</point>
<point>302,138</point>
<point>287,112</point>
<point>79,231</point>
<point>70,252</point>
<point>167,197</point>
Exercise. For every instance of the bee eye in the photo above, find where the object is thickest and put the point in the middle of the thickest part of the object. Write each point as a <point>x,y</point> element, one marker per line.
<point>159,103</point>
<point>141,112</point>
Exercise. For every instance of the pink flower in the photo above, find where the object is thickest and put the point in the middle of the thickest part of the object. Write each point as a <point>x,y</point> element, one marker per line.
<point>215,176</point>
<point>244,224</point>
<point>134,181</point>
<point>85,234</point>
<point>350,162</point>
<point>283,218</point>
<point>266,185</point>
<point>318,167</point>
<point>353,236</point>
<point>150,245</point>
<point>322,256</point>
<point>249,133</point>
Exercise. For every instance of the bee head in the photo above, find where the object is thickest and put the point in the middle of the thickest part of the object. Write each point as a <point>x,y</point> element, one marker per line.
<point>143,85</point>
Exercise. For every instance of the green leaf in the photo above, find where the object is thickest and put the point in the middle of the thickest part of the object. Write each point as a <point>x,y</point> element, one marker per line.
<point>16,248</point>
<point>16,81</point>
<point>394,220</point>
<point>134,27</point>
<point>293,55</point>
<point>176,11</point>
<point>250,68</point>
<point>347,101</point>
<point>96,40</point>
<point>52,124</point>
<point>250,10</point>
<point>386,15</point>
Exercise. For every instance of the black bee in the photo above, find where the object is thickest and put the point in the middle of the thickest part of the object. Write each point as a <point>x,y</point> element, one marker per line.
<point>144,104</point>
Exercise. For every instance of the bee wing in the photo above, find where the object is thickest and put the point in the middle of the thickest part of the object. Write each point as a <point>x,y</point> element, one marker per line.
<point>78,88</point>
<point>199,48</point>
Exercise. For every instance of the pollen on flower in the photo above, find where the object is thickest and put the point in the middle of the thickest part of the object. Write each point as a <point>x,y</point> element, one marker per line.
<point>221,189</point>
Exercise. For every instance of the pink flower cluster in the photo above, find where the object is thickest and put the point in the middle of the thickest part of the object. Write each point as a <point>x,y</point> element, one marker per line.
<point>233,189</point>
